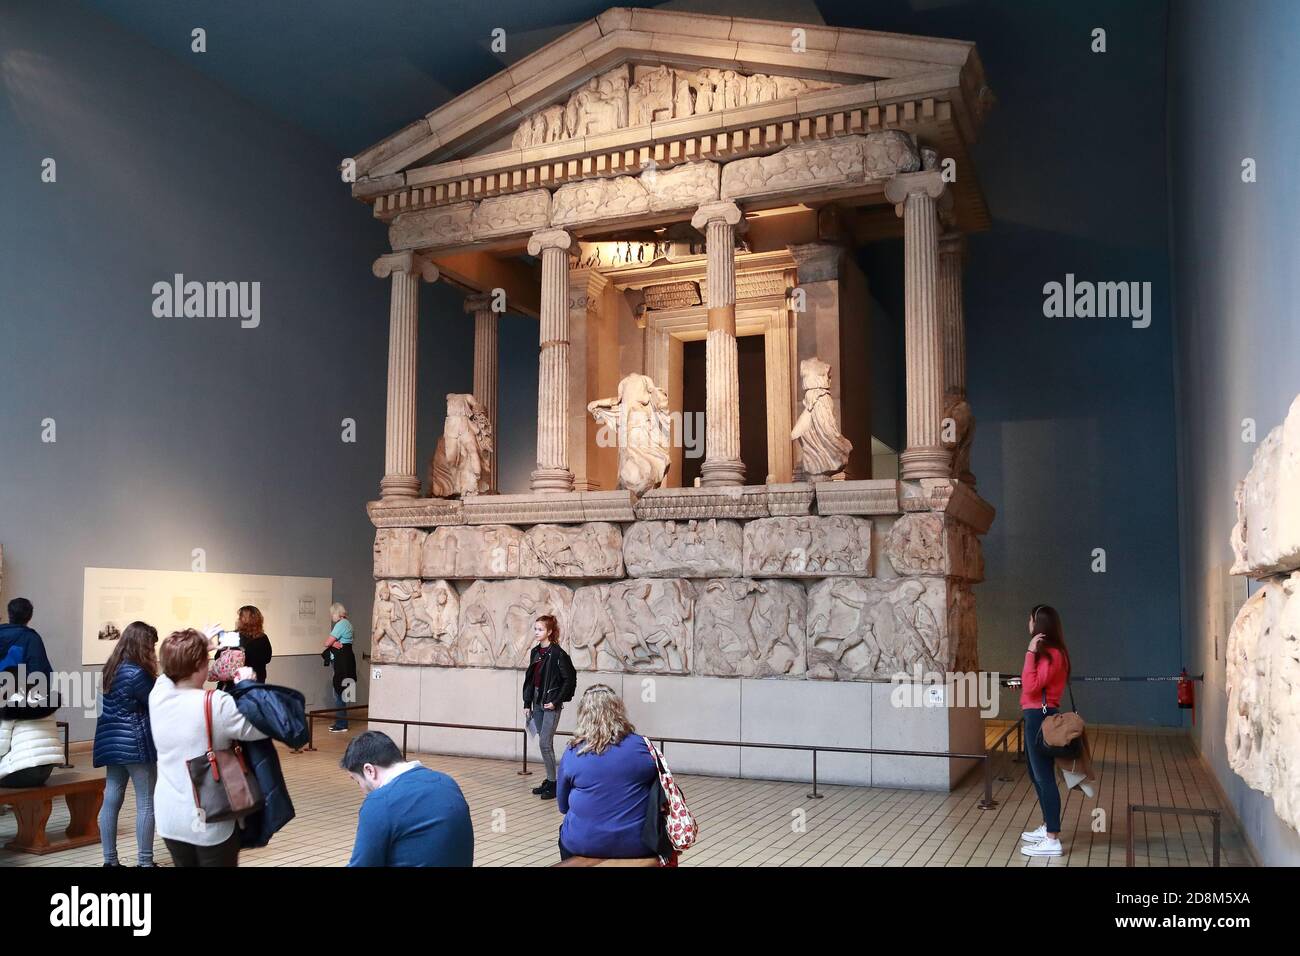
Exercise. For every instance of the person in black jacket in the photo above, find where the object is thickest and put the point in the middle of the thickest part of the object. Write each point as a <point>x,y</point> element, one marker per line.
<point>549,683</point>
<point>256,645</point>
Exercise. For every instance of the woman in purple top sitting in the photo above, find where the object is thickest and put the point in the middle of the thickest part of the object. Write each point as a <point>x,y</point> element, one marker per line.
<point>605,778</point>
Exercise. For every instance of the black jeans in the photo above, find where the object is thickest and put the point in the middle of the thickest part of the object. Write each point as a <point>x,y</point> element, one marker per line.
<point>1042,769</point>
<point>191,854</point>
<point>28,777</point>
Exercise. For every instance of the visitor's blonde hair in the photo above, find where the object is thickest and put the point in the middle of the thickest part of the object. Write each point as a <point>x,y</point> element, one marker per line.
<point>602,720</point>
<point>338,610</point>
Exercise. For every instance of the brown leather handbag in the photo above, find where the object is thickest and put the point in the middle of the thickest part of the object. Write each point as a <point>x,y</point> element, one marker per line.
<point>1061,733</point>
<point>225,788</point>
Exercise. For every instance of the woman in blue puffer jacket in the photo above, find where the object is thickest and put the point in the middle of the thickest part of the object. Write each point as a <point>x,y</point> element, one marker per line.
<point>124,740</point>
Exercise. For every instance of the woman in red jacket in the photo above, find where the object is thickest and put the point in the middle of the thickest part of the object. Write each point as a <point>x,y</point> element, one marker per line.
<point>1042,681</point>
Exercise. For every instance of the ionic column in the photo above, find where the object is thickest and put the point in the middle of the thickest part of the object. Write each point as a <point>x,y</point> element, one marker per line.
<point>406,270</point>
<point>915,196</point>
<point>722,464</point>
<point>552,473</point>
<point>951,251</point>
<point>486,364</point>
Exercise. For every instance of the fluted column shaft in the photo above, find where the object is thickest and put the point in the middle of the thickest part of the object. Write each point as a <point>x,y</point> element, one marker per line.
<point>722,464</point>
<point>915,196</point>
<point>552,473</point>
<point>486,369</point>
<point>405,270</point>
<point>952,312</point>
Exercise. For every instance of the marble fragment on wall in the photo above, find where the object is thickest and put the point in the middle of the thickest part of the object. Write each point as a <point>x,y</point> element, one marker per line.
<point>749,628</point>
<point>635,625</point>
<point>1266,538</point>
<point>471,551</point>
<point>397,552</point>
<point>1262,735</point>
<point>496,620</point>
<point>709,548</point>
<point>590,550</point>
<point>508,215</point>
<point>808,546</point>
<point>927,543</point>
<point>414,622</point>
<point>591,200</point>
<point>440,226</point>
<point>843,161</point>
<point>863,629</point>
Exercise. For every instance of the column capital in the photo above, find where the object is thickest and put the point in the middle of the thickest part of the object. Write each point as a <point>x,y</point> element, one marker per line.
<point>727,211</point>
<point>407,262</point>
<point>817,261</point>
<point>478,302</point>
<point>929,183</point>
<point>549,239</point>
<point>585,289</point>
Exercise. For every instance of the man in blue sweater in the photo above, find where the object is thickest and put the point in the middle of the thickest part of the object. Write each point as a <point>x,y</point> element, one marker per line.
<point>412,816</point>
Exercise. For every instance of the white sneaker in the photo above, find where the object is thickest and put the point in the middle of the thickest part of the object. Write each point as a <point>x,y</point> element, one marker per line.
<point>1035,836</point>
<point>1045,847</point>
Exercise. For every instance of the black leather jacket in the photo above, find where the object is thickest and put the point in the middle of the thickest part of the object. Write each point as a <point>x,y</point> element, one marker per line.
<point>559,679</point>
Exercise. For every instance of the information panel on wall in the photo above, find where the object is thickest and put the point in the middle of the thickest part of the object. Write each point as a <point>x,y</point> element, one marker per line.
<point>296,610</point>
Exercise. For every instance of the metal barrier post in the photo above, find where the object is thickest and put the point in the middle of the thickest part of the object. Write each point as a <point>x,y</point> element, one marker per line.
<point>987,803</point>
<point>814,795</point>
<point>67,755</point>
<point>524,772</point>
<point>1215,821</point>
<point>405,728</point>
<point>311,733</point>
<point>1128,839</point>
<point>1020,740</point>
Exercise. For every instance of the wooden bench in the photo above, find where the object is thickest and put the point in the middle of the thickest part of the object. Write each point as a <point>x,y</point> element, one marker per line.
<point>597,861</point>
<point>84,794</point>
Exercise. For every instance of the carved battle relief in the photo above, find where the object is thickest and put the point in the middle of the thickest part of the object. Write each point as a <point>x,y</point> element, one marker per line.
<point>397,552</point>
<point>652,94</point>
<point>1263,671</point>
<point>863,629</point>
<point>683,549</point>
<point>441,226</point>
<point>682,187</point>
<point>507,215</point>
<point>923,542</point>
<point>847,160</point>
<point>595,199</point>
<point>635,625</point>
<point>471,551</point>
<point>808,546</point>
<point>1266,538</point>
<point>496,620</point>
<point>749,628</point>
<point>963,628</point>
<point>591,550</point>
<point>414,622</point>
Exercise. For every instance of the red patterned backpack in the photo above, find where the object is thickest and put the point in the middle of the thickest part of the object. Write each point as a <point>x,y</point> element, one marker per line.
<point>682,829</point>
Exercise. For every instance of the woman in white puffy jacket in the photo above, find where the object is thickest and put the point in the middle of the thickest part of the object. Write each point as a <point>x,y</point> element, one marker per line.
<point>29,751</point>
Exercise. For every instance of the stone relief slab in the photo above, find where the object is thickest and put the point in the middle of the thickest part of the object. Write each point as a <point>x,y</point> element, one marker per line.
<point>682,187</point>
<point>509,215</point>
<point>1263,671</point>
<point>590,550</point>
<point>683,549</point>
<point>397,552</point>
<point>414,622</point>
<point>927,543</point>
<point>496,620</point>
<point>595,199</point>
<point>637,626</point>
<point>963,629</point>
<point>843,161</point>
<point>442,226</point>
<point>749,628</point>
<point>809,546</point>
<point>863,629</point>
<point>471,551</point>
<point>1266,538</point>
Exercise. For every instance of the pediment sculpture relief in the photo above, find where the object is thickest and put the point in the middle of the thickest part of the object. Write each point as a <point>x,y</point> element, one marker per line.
<point>639,95</point>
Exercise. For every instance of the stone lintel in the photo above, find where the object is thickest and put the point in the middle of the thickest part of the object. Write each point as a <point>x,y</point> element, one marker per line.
<point>415,513</point>
<point>562,508</point>
<point>735,501</point>
<point>871,496</point>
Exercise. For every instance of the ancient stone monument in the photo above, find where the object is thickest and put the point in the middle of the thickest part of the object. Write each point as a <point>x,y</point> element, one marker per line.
<point>1263,667</point>
<point>651,182</point>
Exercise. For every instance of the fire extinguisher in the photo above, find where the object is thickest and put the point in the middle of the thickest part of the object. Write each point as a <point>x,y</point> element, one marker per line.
<point>1187,694</point>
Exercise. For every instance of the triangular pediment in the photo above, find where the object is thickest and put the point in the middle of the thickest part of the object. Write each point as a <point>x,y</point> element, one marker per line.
<point>627,68</point>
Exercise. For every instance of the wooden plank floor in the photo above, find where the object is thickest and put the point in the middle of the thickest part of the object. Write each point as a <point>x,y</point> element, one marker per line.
<point>770,823</point>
